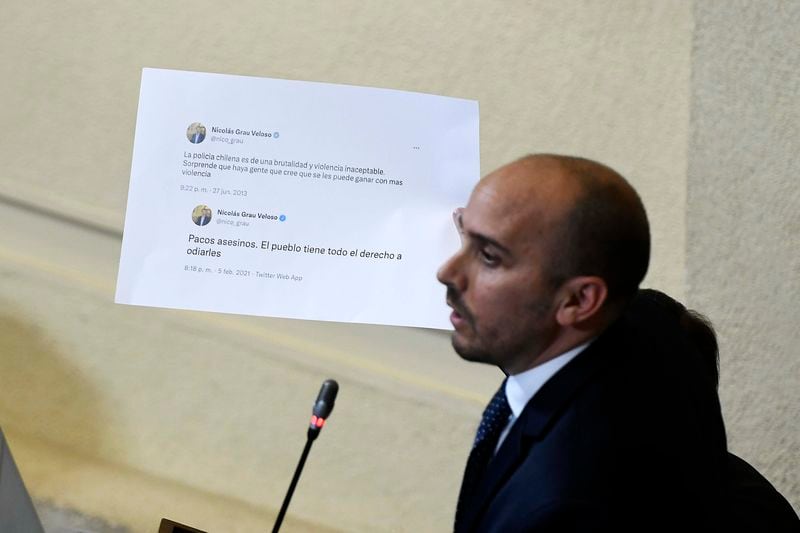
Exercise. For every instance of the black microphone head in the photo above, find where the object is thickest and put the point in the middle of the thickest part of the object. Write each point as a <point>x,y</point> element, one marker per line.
<point>325,399</point>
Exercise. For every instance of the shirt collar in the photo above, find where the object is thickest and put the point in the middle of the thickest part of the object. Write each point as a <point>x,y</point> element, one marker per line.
<point>520,388</point>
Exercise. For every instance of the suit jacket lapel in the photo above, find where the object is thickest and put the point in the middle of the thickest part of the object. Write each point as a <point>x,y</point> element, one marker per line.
<point>555,395</point>
<point>499,469</point>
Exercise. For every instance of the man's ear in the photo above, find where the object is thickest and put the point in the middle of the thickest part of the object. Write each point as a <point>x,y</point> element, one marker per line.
<point>580,300</point>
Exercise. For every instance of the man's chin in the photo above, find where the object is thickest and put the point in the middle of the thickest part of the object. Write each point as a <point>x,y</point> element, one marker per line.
<point>466,351</point>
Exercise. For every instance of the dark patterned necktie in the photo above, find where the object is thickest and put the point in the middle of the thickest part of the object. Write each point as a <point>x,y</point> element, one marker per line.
<point>494,420</point>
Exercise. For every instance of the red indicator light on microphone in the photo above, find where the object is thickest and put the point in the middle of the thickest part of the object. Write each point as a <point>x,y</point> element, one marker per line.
<point>320,422</point>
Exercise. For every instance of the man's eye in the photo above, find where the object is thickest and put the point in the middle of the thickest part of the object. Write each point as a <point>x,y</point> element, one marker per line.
<point>489,258</point>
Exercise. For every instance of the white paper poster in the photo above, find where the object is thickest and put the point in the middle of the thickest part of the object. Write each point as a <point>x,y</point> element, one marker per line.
<point>294,199</point>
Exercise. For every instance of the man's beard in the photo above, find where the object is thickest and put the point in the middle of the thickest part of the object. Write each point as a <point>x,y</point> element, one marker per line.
<point>489,346</point>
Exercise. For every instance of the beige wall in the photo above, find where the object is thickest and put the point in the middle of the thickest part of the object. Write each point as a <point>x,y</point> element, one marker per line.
<point>604,79</point>
<point>743,212</point>
<point>133,414</point>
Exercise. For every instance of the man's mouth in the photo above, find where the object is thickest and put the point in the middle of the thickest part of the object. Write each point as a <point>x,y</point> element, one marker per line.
<point>458,317</point>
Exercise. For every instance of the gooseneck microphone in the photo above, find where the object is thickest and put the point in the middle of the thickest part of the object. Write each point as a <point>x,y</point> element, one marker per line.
<point>319,414</point>
<point>322,407</point>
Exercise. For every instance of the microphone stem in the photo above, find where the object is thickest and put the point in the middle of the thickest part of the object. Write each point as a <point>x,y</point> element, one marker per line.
<point>293,484</point>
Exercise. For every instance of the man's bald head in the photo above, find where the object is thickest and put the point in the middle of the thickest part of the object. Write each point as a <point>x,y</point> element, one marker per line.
<point>597,224</point>
<point>551,249</point>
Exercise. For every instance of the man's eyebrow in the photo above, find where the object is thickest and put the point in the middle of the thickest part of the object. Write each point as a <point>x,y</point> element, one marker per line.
<point>483,239</point>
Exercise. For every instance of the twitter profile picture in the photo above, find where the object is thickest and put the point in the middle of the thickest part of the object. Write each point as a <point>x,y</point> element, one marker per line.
<point>201,215</point>
<point>196,132</point>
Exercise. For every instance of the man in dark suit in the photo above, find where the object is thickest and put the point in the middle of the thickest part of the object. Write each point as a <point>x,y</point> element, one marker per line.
<point>602,423</point>
<point>749,502</point>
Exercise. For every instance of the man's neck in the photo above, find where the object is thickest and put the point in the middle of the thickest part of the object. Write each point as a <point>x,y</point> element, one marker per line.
<point>564,342</point>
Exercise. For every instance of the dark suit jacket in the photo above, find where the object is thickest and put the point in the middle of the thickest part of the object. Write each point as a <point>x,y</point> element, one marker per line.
<point>751,503</point>
<point>628,436</point>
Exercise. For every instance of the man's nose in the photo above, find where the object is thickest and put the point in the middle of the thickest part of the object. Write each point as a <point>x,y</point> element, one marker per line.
<point>451,272</point>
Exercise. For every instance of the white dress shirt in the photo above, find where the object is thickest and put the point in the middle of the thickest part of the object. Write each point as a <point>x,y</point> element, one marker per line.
<point>520,388</point>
